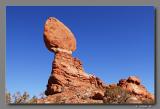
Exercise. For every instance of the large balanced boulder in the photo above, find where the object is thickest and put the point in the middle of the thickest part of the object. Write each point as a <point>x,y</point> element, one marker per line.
<point>58,37</point>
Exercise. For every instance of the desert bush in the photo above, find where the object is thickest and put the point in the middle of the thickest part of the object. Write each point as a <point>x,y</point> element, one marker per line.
<point>8,98</point>
<point>115,95</point>
<point>33,100</point>
<point>18,98</point>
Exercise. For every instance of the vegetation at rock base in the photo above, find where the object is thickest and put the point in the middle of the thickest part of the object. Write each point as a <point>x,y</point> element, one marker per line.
<point>115,95</point>
<point>18,98</point>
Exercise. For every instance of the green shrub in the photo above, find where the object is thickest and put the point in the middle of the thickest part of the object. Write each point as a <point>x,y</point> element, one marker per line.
<point>115,95</point>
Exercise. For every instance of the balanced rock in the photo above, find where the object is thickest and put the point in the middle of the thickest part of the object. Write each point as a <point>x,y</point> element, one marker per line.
<point>68,82</point>
<point>58,37</point>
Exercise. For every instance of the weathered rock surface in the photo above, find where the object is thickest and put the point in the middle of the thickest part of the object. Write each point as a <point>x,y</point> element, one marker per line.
<point>57,35</point>
<point>133,100</point>
<point>70,84</point>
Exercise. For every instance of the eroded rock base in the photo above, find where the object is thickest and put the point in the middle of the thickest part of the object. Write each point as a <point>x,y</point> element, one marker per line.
<point>69,82</point>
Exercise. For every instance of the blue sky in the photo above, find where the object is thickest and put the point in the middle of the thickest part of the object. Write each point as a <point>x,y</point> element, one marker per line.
<point>113,42</point>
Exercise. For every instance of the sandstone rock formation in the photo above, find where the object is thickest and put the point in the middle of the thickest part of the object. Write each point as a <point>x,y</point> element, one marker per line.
<point>70,84</point>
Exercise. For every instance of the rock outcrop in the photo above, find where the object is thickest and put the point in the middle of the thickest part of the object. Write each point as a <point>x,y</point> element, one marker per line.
<point>133,85</point>
<point>70,84</point>
<point>130,91</point>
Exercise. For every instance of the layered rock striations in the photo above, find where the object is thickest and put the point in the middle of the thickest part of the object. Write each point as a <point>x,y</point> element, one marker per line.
<point>68,72</point>
<point>68,82</point>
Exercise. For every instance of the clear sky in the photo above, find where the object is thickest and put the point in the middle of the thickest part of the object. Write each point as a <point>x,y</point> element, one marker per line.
<point>112,43</point>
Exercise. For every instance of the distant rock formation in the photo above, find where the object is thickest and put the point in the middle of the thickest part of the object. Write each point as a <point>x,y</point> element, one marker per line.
<point>68,82</point>
<point>138,93</point>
